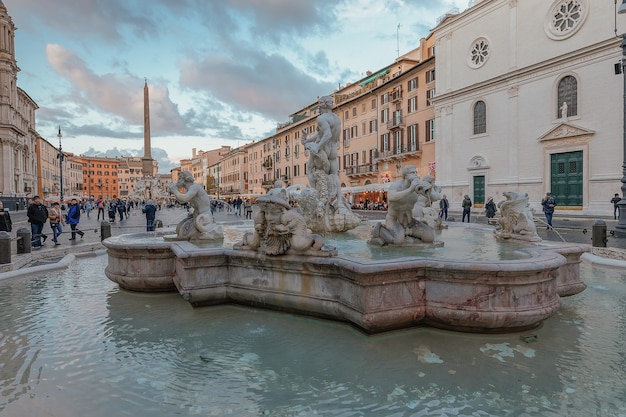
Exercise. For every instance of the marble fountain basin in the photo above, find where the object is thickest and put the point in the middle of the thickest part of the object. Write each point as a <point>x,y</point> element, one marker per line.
<point>473,283</point>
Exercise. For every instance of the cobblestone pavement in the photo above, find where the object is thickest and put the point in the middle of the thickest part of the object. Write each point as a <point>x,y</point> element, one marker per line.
<point>568,229</point>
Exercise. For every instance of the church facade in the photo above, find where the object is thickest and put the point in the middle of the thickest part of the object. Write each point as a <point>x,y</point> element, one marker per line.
<point>18,137</point>
<point>529,99</point>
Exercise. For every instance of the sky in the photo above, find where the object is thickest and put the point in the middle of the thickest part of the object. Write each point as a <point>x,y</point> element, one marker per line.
<point>219,72</point>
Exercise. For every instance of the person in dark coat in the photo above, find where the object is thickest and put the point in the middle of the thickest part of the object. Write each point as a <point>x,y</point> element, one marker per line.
<point>616,199</point>
<point>548,204</point>
<point>5,219</point>
<point>37,216</point>
<point>490,208</point>
<point>150,210</point>
<point>73,218</point>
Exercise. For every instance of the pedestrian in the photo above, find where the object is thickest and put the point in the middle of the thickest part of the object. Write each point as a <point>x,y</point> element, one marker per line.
<point>37,216</point>
<point>490,208</point>
<point>248,208</point>
<point>466,204</point>
<point>88,208</point>
<point>121,208</point>
<point>100,206</point>
<point>548,204</point>
<point>56,222</point>
<point>443,207</point>
<point>112,209</point>
<point>150,211</point>
<point>73,218</point>
<point>5,220</point>
<point>616,199</point>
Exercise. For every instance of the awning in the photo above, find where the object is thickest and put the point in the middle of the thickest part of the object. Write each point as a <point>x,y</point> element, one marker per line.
<point>373,77</point>
<point>366,188</point>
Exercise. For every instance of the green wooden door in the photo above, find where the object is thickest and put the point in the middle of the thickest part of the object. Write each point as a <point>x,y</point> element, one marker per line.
<point>566,178</point>
<point>479,189</point>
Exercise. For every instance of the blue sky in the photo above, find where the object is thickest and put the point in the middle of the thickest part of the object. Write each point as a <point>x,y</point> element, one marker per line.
<point>220,72</point>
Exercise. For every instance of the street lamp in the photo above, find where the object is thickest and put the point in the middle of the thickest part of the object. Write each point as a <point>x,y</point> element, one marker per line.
<point>61,157</point>
<point>621,225</point>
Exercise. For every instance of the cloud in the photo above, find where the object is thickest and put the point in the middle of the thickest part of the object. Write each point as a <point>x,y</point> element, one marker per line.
<point>118,95</point>
<point>268,85</point>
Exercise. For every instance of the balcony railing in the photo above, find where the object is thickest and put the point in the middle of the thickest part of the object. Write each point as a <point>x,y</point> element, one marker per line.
<point>395,122</point>
<point>396,96</point>
<point>404,150</point>
<point>362,169</point>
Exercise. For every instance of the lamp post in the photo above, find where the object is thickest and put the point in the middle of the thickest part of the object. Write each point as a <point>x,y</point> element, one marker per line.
<point>621,225</point>
<point>61,157</point>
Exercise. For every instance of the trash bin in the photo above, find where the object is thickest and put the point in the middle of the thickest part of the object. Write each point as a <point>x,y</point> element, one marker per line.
<point>23,240</point>
<point>598,234</point>
<point>5,248</point>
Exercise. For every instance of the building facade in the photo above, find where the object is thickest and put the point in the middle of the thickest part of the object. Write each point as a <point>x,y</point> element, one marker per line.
<point>18,137</point>
<point>528,101</point>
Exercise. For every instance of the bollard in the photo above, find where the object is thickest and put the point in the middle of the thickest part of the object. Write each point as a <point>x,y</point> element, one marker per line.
<point>598,234</point>
<point>105,230</point>
<point>23,240</point>
<point>5,248</point>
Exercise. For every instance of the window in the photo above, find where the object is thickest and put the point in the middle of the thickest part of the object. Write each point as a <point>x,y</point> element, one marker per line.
<point>354,111</point>
<point>430,76</point>
<point>479,52</point>
<point>346,137</point>
<point>373,126</point>
<point>412,132</point>
<point>354,132</point>
<point>480,117</point>
<point>398,140</point>
<point>565,18</point>
<point>384,115</point>
<point>385,142</point>
<point>430,130</point>
<point>364,127</point>
<point>567,93</point>
<point>429,94</point>
<point>412,84</point>
<point>412,105</point>
<point>384,98</point>
<point>346,115</point>
<point>363,109</point>
<point>373,103</point>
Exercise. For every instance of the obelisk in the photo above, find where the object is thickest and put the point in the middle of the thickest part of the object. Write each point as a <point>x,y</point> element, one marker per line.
<point>147,155</point>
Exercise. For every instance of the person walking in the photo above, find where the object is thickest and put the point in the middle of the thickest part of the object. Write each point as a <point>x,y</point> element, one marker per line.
<point>56,221</point>
<point>5,219</point>
<point>490,208</point>
<point>100,203</point>
<point>548,204</point>
<point>443,207</point>
<point>73,218</point>
<point>88,208</point>
<point>467,205</point>
<point>37,215</point>
<point>616,199</point>
<point>150,211</point>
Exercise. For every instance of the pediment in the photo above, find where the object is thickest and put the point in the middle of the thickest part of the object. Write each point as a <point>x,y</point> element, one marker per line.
<point>566,131</point>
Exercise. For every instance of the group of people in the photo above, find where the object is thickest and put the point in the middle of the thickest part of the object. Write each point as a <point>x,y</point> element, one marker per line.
<point>38,215</point>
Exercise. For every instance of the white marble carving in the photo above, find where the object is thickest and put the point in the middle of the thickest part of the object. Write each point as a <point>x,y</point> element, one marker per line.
<point>401,227</point>
<point>323,206</point>
<point>516,218</point>
<point>199,225</point>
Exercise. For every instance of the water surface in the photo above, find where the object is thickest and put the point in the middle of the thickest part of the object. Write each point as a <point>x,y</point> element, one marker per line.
<point>73,344</point>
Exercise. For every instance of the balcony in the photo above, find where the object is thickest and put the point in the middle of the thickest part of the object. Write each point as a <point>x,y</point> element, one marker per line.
<point>396,122</point>
<point>267,164</point>
<point>395,96</point>
<point>396,154</point>
<point>362,171</point>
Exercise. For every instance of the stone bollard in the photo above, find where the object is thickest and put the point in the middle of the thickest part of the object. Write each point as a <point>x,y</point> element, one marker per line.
<point>5,248</point>
<point>23,240</point>
<point>105,230</point>
<point>598,234</point>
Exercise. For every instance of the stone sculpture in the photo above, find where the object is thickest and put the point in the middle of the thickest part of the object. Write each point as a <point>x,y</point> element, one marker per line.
<point>199,224</point>
<point>516,218</point>
<point>323,206</point>
<point>401,227</point>
<point>424,210</point>
<point>279,229</point>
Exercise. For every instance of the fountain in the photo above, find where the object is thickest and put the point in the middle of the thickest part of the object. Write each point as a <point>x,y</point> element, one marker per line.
<point>390,284</point>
